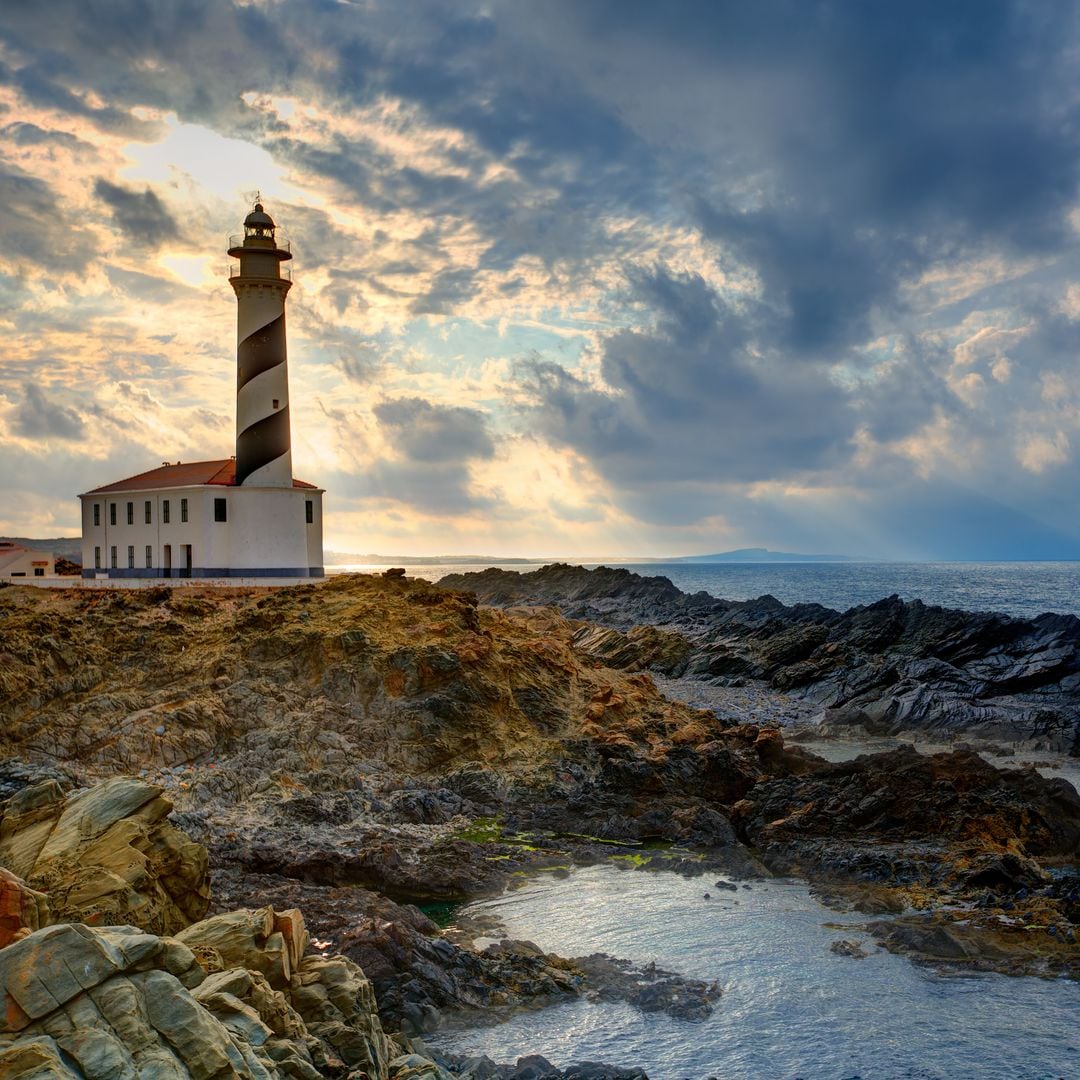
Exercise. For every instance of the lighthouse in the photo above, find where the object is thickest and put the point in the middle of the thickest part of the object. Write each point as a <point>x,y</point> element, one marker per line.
<point>263,443</point>
<point>243,518</point>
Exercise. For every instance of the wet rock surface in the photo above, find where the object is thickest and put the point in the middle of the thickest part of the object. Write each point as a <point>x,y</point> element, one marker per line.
<point>886,667</point>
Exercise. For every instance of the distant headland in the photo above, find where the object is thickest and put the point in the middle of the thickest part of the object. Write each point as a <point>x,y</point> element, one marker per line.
<point>747,555</point>
<point>762,555</point>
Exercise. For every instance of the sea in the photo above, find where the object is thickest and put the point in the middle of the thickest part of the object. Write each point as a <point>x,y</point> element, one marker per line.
<point>791,1009</point>
<point>1025,589</point>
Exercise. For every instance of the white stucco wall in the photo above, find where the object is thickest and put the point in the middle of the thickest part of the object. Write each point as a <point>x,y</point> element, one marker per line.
<point>265,530</point>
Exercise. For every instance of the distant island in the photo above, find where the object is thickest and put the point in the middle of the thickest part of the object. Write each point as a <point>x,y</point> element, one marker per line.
<point>762,555</point>
<point>342,558</point>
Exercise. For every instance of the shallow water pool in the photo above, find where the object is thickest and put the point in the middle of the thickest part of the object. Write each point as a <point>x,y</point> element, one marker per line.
<point>790,1007</point>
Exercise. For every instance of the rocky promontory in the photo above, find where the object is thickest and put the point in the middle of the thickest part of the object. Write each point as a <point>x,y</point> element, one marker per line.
<point>888,667</point>
<point>286,788</point>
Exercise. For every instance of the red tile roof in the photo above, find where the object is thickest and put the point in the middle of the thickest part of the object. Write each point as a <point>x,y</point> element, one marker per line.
<point>188,474</point>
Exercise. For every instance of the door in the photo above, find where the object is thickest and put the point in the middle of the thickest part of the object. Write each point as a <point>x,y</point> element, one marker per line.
<point>185,555</point>
<point>166,562</point>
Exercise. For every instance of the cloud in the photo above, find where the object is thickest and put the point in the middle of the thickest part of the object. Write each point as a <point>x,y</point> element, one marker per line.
<point>140,215</point>
<point>428,433</point>
<point>785,273</point>
<point>427,457</point>
<point>37,417</point>
<point>35,228</point>
<point>689,400</point>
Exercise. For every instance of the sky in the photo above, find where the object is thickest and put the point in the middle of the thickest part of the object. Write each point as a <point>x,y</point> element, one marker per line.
<point>571,278</point>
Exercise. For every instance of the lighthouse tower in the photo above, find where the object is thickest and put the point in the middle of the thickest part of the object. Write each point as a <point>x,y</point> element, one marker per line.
<point>261,283</point>
<point>242,519</point>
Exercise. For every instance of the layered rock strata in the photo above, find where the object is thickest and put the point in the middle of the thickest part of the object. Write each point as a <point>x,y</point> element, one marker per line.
<point>106,855</point>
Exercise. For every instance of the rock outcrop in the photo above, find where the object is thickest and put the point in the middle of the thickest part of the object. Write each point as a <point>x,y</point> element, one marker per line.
<point>987,855</point>
<point>22,909</point>
<point>95,1002</point>
<point>297,680</point>
<point>887,667</point>
<point>106,855</point>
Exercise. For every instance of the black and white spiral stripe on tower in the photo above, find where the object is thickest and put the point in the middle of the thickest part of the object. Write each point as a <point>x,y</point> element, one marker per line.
<point>263,443</point>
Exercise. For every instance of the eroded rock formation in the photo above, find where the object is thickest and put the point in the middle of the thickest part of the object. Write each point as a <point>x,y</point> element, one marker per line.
<point>105,855</point>
<point>93,1002</point>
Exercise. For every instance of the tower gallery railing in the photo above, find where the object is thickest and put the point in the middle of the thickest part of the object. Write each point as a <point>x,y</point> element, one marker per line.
<point>233,268</point>
<point>237,240</point>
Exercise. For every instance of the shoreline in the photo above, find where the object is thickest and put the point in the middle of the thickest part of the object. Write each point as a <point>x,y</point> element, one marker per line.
<point>344,747</point>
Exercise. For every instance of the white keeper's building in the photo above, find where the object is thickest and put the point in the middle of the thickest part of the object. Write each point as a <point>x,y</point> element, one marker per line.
<point>244,516</point>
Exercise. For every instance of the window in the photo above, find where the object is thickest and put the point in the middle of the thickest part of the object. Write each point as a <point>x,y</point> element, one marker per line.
<point>38,572</point>
<point>97,558</point>
<point>112,513</point>
<point>131,556</point>
<point>149,554</point>
<point>146,511</point>
<point>220,513</point>
<point>112,554</point>
<point>309,511</point>
<point>165,511</point>
<point>97,513</point>
<point>131,513</point>
<point>183,509</point>
<point>276,403</point>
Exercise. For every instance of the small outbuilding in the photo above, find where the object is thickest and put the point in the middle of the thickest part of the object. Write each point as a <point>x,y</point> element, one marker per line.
<point>17,561</point>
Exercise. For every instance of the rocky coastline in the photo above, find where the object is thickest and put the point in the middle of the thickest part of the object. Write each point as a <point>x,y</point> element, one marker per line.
<point>250,805</point>
<point>884,668</point>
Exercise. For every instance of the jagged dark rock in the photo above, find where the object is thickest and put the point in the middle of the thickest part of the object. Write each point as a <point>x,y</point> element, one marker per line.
<point>886,667</point>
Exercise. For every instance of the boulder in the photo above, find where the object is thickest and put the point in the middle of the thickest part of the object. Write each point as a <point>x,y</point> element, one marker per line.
<point>328,997</point>
<point>263,940</point>
<point>105,855</point>
<point>78,1003</point>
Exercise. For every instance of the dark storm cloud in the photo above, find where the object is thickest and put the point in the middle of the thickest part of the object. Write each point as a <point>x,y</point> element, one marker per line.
<point>38,83</point>
<point>838,150</point>
<point>435,446</point>
<point>424,432</point>
<point>38,417</point>
<point>689,400</point>
<point>34,227</point>
<point>449,288</point>
<point>191,56</point>
<point>441,489</point>
<point>26,134</point>
<point>362,364</point>
<point>147,287</point>
<point>140,215</point>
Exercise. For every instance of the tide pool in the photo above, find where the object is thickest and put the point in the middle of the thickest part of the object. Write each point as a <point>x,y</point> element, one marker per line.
<point>790,1009</point>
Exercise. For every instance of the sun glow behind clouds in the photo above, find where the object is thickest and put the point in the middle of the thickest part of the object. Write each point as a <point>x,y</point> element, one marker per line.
<point>195,270</point>
<point>223,166</point>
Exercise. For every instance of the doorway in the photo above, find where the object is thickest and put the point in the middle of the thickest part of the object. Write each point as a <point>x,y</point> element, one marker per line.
<point>166,561</point>
<point>185,560</point>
